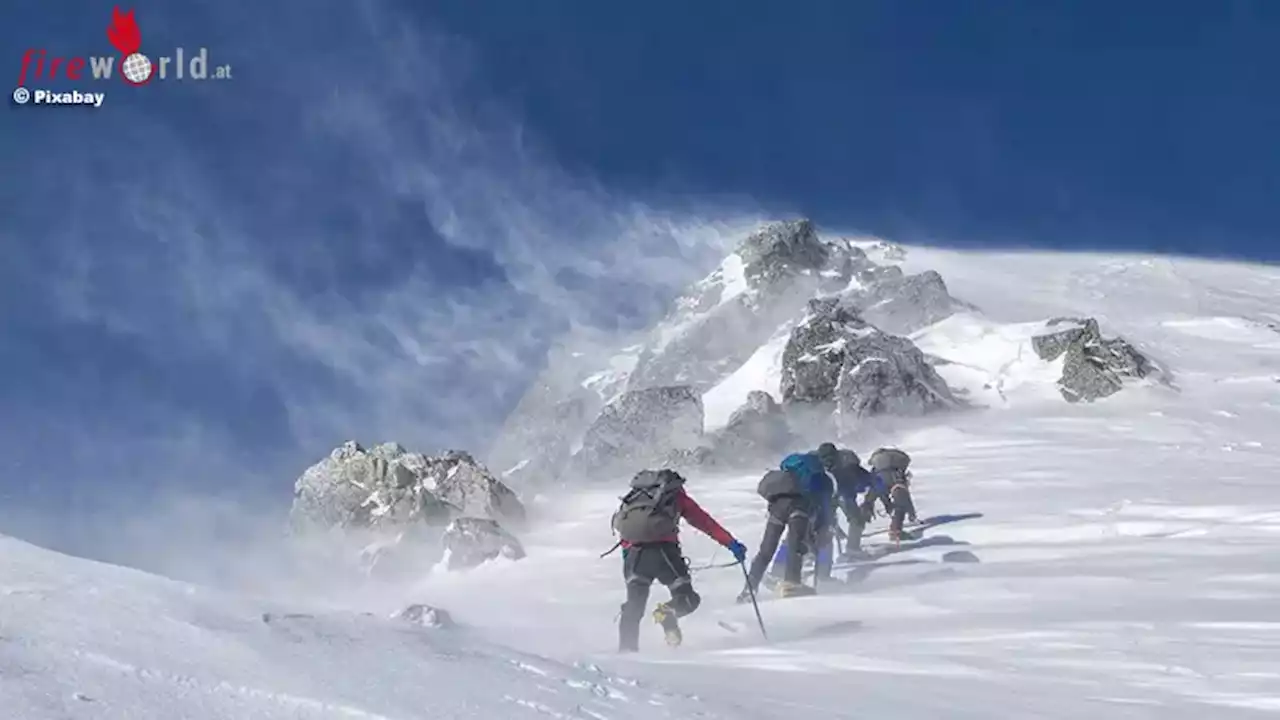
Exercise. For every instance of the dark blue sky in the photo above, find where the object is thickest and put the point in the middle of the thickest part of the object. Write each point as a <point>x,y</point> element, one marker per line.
<point>374,229</point>
<point>1053,123</point>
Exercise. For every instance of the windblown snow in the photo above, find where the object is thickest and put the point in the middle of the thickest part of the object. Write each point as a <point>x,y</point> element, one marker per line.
<point>1127,563</point>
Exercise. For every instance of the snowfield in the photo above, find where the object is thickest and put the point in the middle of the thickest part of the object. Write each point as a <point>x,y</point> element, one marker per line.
<point>1128,563</point>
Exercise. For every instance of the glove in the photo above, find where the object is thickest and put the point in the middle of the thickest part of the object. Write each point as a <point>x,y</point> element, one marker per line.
<point>739,551</point>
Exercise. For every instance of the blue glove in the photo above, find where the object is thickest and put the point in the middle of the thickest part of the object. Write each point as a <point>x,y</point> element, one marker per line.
<point>739,551</point>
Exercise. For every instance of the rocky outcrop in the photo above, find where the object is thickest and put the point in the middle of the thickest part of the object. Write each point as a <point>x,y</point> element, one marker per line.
<point>758,428</point>
<point>470,490</point>
<point>640,428</point>
<point>389,488</point>
<point>382,488</point>
<point>399,504</point>
<point>560,429</point>
<point>779,251</point>
<point>836,357</point>
<point>889,252</point>
<point>469,542</point>
<point>723,319</point>
<point>901,304</point>
<point>1094,367</point>
<point>425,616</point>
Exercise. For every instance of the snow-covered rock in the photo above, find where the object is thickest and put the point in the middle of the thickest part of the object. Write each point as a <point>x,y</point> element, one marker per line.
<point>758,428</point>
<point>399,505</point>
<point>901,304</point>
<point>471,541</point>
<point>470,490</point>
<point>719,322</point>
<point>384,487</point>
<point>640,428</point>
<point>834,356</point>
<point>1094,367</point>
<point>425,616</point>
<point>389,488</point>
<point>719,329</point>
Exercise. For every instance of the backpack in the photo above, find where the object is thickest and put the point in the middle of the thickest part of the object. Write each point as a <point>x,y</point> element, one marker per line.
<point>777,483</point>
<point>649,511</point>
<point>850,458</point>
<point>890,463</point>
<point>803,465</point>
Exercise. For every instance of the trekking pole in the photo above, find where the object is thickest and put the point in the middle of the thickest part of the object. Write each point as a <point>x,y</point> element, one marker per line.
<point>755,605</point>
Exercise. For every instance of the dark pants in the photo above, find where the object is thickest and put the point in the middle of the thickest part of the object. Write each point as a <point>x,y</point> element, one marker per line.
<point>641,565</point>
<point>900,496</point>
<point>857,526</point>
<point>789,515</point>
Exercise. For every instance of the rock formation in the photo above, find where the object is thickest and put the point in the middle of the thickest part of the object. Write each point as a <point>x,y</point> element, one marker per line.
<point>1094,367</point>
<point>399,503</point>
<point>834,356</point>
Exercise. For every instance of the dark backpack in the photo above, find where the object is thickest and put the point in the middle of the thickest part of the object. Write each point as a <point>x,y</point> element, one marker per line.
<point>777,483</point>
<point>850,459</point>
<point>650,511</point>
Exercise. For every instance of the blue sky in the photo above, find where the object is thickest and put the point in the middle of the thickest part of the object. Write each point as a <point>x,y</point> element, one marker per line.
<point>1138,124</point>
<point>375,228</point>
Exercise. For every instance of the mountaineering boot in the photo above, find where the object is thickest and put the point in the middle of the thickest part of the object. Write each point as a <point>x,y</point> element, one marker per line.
<point>793,589</point>
<point>666,617</point>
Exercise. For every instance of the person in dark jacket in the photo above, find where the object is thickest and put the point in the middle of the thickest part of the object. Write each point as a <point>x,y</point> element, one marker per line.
<point>799,499</point>
<point>851,480</point>
<point>648,523</point>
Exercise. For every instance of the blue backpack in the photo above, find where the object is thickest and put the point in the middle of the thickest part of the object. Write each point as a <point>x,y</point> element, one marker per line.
<point>806,466</point>
<point>813,479</point>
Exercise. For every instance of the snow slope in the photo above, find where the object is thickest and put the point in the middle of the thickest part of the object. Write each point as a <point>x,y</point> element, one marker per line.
<point>84,640</point>
<point>1127,548</point>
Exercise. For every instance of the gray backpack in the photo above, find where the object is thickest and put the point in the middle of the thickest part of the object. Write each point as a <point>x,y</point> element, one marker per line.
<point>777,483</point>
<point>650,512</point>
<point>891,463</point>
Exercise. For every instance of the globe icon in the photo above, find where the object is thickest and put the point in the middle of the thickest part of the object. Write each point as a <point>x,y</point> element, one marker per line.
<point>136,68</point>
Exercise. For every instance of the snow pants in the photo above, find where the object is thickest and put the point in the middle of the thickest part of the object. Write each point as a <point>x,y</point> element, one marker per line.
<point>641,565</point>
<point>788,514</point>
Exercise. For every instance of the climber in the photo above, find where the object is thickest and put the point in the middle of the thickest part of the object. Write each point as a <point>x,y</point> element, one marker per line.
<point>890,465</point>
<point>648,523</point>
<point>851,479</point>
<point>799,497</point>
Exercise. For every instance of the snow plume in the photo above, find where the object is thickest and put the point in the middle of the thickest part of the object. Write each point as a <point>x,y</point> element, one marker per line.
<point>213,285</point>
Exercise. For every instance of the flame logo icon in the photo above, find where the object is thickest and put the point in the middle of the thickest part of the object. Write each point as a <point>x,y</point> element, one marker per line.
<point>136,68</point>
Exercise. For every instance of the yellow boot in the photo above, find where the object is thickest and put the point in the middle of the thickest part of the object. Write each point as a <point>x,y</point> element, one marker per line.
<point>790,589</point>
<point>666,617</point>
